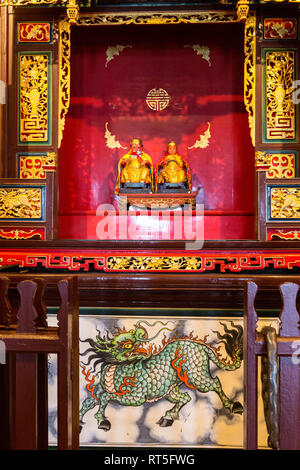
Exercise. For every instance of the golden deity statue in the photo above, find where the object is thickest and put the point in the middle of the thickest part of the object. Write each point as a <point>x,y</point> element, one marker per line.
<point>173,170</point>
<point>135,170</point>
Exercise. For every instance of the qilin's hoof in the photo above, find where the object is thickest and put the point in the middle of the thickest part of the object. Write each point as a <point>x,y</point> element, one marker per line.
<point>104,425</point>
<point>237,408</point>
<point>165,422</point>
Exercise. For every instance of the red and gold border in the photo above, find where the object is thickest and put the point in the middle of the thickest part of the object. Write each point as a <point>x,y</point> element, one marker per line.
<point>204,262</point>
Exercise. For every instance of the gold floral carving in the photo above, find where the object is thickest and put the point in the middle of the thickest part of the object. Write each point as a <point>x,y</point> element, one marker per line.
<point>20,203</point>
<point>111,141</point>
<point>280,109</point>
<point>157,18</point>
<point>250,73</point>
<point>152,263</point>
<point>203,51</point>
<point>34,82</point>
<point>285,203</point>
<point>112,51</point>
<point>64,75</point>
<point>203,141</point>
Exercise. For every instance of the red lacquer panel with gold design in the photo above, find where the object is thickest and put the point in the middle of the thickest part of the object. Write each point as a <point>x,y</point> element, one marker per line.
<point>280,28</point>
<point>31,32</point>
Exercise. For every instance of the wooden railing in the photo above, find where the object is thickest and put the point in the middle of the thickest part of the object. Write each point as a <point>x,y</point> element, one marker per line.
<point>280,370</point>
<point>24,377</point>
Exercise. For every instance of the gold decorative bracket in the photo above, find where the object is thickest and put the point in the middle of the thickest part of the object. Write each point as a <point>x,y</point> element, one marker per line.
<point>242,10</point>
<point>72,11</point>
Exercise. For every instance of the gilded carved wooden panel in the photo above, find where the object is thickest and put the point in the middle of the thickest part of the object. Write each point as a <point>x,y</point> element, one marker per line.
<point>284,202</point>
<point>34,98</point>
<point>21,203</point>
<point>280,123</point>
<point>280,28</point>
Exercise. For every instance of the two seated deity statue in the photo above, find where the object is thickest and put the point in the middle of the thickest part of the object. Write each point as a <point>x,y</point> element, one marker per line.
<point>137,175</point>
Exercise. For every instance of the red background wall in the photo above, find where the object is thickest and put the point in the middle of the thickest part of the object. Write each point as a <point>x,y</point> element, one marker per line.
<point>115,92</point>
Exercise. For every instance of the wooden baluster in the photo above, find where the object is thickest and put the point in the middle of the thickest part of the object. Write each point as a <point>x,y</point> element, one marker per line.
<point>24,432</point>
<point>250,367</point>
<point>27,314</point>
<point>64,393</point>
<point>39,303</point>
<point>5,307</point>
<point>289,370</point>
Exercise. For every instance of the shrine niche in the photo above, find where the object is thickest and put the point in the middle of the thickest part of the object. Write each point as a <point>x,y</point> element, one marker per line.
<point>139,89</point>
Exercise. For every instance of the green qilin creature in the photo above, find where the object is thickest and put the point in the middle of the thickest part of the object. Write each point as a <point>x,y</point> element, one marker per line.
<point>133,372</point>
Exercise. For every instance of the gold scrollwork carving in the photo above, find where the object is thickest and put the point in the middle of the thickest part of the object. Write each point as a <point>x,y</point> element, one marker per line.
<point>156,18</point>
<point>111,141</point>
<point>113,51</point>
<point>16,3</point>
<point>36,166</point>
<point>250,73</point>
<point>64,75</point>
<point>277,165</point>
<point>18,234</point>
<point>20,203</point>
<point>203,141</point>
<point>280,109</point>
<point>34,97</point>
<point>290,235</point>
<point>281,165</point>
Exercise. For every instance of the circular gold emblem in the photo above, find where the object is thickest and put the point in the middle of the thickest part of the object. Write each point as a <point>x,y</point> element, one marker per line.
<point>157,99</point>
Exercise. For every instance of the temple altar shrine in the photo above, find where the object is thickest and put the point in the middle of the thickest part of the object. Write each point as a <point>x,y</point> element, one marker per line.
<point>149,224</point>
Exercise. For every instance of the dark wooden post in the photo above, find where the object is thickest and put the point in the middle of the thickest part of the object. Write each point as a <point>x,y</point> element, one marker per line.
<point>68,365</point>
